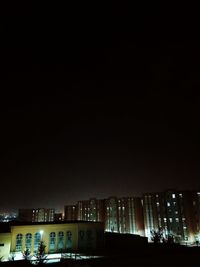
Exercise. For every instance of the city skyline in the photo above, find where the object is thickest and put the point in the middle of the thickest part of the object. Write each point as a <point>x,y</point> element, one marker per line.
<point>175,212</point>
<point>61,208</point>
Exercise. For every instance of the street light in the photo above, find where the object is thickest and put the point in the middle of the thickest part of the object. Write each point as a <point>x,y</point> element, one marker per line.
<point>41,233</point>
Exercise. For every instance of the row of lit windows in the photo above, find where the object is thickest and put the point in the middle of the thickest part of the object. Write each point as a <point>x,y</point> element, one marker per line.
<point>38,238</point>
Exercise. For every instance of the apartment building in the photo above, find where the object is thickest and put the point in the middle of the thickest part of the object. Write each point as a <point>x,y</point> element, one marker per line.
<point>36,215</point>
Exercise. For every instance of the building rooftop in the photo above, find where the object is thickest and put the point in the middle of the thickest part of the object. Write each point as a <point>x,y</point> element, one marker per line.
<point>13,223</point>
<point>5,226</point>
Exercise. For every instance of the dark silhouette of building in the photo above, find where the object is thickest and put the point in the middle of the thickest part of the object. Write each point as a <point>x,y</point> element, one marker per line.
<point>36,215</point>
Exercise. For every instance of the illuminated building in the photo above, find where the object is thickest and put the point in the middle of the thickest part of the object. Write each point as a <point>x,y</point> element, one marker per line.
<point>91,210</point>
<point>57,237</point>
<point>121,215</point>
<point>7,217</point>
<point>177,213</point>
<point>36,215</point>
<point>172,211</point>
<point>196,213</point>
<point>124,215</point>
<point>112,216</point>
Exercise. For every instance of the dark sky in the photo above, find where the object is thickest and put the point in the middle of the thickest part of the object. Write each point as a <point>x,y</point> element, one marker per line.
<point>98,103</point>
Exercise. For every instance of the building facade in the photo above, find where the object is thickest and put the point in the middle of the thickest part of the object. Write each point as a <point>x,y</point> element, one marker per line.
<point>173,212</point>
<point>196,213</point>
<point>57,237</point>
<point>177,213</point>
<point>120,215</point>
<point>91,210</point>
<point>36,215</point>
<point>124,215</point>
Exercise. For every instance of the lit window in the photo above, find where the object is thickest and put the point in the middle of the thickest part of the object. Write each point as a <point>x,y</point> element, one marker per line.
<point>19,242</point>
<point>69,239</point>
<point>52,242</point>
<point>60,241</point>
<point>170,219</point>
<point>37,239</point>
<point>168,204</point>
<point>177,219</point>
<point>28,241</point>
<point>173,196</point>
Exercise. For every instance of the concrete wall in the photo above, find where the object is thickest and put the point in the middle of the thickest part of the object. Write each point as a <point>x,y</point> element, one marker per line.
<point>5,240</point>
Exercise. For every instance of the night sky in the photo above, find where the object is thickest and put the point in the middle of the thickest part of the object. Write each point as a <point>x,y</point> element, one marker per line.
<point>95,104</point>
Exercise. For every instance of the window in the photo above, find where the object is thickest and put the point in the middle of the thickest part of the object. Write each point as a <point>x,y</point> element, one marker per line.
<point>60,240</point>
<point>168,204</point>
<point>89,235</point>
<point>173,196</point>
<point>89,238</point>
<point>37,239</point>
<point>69,239</point>
<point>1,245</point>
<point>19,242</point>
<point>81,235</point>
<point>28,241</point>
<point>52,242</point>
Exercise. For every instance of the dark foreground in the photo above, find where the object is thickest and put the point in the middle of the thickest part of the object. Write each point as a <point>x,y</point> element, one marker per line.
<point>150,255</point>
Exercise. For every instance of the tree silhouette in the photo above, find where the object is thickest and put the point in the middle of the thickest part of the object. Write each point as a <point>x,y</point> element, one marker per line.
<point>40,253</point>
<point>156,235</point>
<point>27,254</point>
<point>170,239</point>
